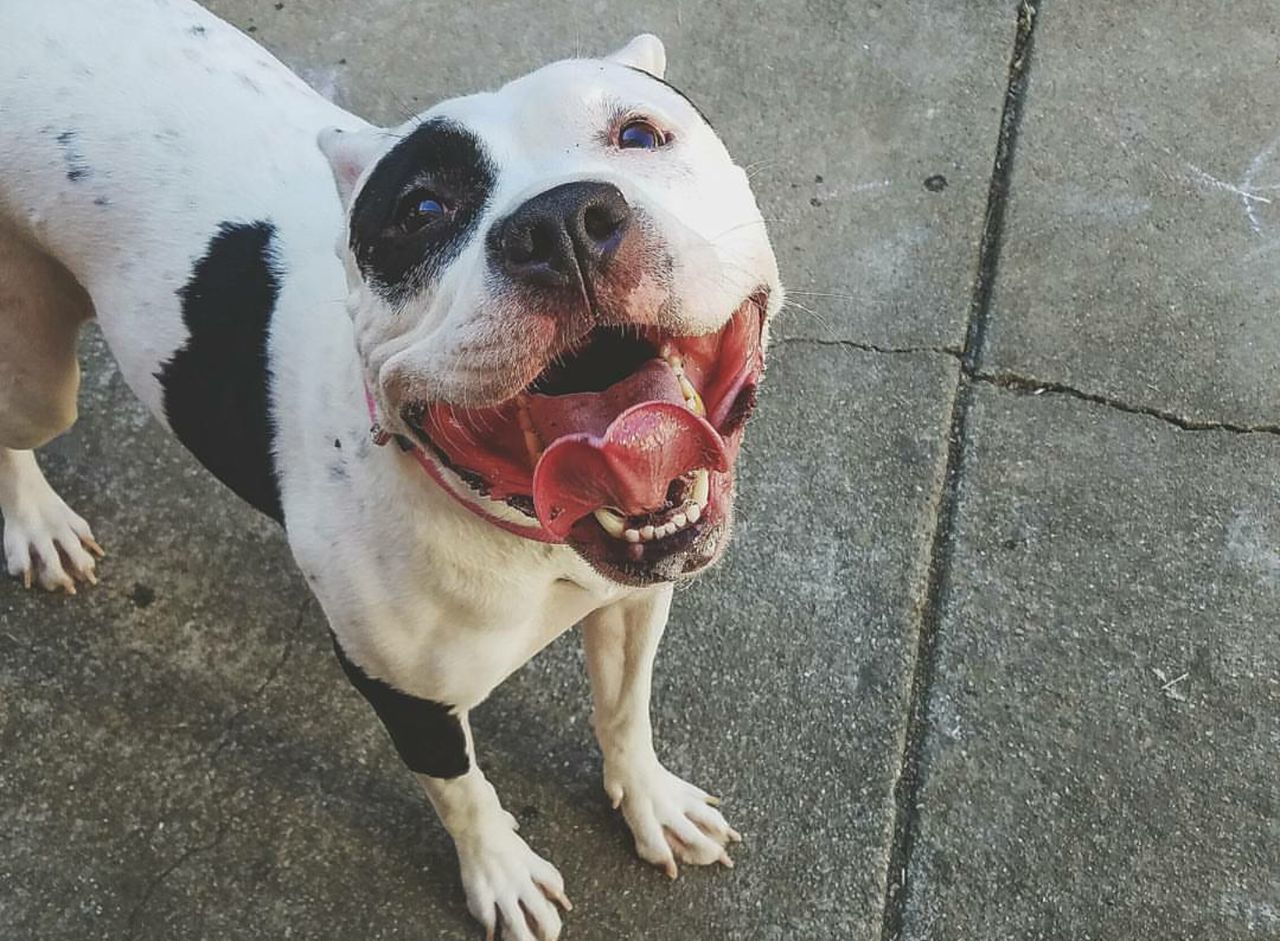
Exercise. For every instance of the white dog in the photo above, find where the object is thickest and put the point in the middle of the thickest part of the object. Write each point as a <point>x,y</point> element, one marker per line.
<point>551,304</point>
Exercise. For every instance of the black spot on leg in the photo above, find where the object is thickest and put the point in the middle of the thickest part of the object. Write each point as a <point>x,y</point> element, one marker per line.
<point>197,31</point>
<point>217,387</point>
<point>427,735</point>
<point>77,169</point>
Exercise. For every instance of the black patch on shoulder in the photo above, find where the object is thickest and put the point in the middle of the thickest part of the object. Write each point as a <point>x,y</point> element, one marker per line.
<point>427,734</point>
<point>444,159</point>
<point>216,388</point>
<point>77,169</point>
<point>692,104</point>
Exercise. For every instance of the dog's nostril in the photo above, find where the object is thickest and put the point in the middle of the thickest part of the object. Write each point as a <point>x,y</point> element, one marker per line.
<point>529,245</point>
<point>601,223</point>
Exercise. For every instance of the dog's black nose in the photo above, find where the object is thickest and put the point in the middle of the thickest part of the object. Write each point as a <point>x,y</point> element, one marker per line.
<point>570,231</point>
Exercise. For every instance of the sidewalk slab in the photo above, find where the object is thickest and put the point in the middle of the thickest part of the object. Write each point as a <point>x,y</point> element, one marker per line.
<point>180,755</point>
<point>840,112</point>
<point>1103,750</point>
<point>1142,242</point>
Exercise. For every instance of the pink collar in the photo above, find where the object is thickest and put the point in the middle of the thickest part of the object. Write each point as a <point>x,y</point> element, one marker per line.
<point>380,436</point>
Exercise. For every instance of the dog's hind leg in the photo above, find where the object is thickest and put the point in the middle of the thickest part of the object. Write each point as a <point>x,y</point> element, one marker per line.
<point>42,308</point>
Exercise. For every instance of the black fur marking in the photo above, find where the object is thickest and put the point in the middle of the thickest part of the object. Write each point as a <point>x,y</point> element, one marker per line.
<point>77,169</point>
<point>217,387</point>
<point>692,104</point>
<point>443,158</point>
<point>196,31</point>
<point>427,734</point>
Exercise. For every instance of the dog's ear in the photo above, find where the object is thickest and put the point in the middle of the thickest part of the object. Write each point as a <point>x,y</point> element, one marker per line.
<point>645,52</point>
<point>349,153</point>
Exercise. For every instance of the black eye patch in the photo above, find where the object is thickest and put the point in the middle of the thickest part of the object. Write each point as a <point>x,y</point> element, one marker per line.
<point>438,155</point>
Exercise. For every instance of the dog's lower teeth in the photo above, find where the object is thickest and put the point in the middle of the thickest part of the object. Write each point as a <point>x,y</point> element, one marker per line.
<point>614,522</point>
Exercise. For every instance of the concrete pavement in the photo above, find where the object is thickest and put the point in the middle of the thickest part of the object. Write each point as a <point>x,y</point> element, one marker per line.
<point>994,655</point>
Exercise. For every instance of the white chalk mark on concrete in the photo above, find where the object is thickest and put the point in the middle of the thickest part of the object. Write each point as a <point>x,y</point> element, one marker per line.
<point>1249,183</point>
<point>856,189</point>
<point>1215,183</point>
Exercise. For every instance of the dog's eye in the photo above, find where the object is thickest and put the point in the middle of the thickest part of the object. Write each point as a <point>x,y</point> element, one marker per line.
<point>419,209</point>
<point>640,135</point>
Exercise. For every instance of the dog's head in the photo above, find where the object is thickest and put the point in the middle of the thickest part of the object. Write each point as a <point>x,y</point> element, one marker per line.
<point>561,290</point>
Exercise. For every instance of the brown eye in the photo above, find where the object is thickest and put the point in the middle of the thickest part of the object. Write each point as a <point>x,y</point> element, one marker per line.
<point>640,135</point>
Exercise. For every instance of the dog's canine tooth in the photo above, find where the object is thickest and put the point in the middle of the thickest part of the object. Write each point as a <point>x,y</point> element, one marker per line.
<point>701,487</point>
<point>611,522</point>
<point>694,512</point>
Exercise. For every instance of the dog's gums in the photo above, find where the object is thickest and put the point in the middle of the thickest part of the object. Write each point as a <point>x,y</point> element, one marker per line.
<point>623,446</point>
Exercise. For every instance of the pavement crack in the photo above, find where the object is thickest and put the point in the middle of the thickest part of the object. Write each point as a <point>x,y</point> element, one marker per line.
<point>273,674</point>
<point>937,568</point>
<point>1027,385</point>
<point>183,858</point>
<point>952,351</point>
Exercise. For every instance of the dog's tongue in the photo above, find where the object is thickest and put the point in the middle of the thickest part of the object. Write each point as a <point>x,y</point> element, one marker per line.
<point>621,447</point>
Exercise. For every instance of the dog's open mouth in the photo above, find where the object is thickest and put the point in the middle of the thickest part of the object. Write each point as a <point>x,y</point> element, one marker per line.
<point>624,446</point>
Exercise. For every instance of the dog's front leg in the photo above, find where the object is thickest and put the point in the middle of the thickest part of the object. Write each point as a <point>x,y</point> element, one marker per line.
<point>505,881</point>
<point>669,818</point>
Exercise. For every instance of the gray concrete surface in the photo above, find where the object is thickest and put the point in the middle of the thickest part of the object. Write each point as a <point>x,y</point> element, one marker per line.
<point>1148,183</point>
<point>1104,734</point>
<point>940,682</point>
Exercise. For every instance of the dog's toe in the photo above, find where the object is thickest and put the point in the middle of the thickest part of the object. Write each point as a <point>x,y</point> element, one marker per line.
<point>510,887</point>
<point>672,821</point>
<point>48,544</point>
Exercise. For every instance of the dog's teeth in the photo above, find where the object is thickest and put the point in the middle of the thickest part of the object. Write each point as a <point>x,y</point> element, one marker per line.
<point>631,535</point>
<point>680,521</point>
<point>611,522</point>
<point>694,512</point>
<point>647,533</point>
<point>701,487</point>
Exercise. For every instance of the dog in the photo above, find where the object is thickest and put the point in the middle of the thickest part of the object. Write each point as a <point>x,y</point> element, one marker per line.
<point>511,403</point>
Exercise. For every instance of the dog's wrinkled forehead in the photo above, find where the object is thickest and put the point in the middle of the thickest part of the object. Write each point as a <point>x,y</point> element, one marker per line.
<point>470,161</point>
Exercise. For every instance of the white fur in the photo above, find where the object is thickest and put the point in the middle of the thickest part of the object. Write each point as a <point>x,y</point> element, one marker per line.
<point>419,591</point>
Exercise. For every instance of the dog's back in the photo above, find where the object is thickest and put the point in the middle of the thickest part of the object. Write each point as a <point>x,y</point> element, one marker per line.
<point>134,133</point>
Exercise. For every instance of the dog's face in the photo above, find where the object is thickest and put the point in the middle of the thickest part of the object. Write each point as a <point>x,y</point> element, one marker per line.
<point>562,291</point>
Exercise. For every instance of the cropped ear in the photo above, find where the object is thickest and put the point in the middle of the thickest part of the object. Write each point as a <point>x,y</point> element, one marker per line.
<point>645,52</point>
<point>350,153</point>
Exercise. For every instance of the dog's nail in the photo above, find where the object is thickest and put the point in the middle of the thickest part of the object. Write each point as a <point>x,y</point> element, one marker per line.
<point>713,800</point>
<point>564,902</point>
<point>725,861</point>
<point>735,835</point>
<point>670,869</point>
<point>90,577</point>
<point>93,547</point>
<point>26,578</point>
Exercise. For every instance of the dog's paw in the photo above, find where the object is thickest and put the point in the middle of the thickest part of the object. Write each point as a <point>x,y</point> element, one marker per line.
<point>511,886</point>
<point>46,542</point>
<point>670,818</point>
